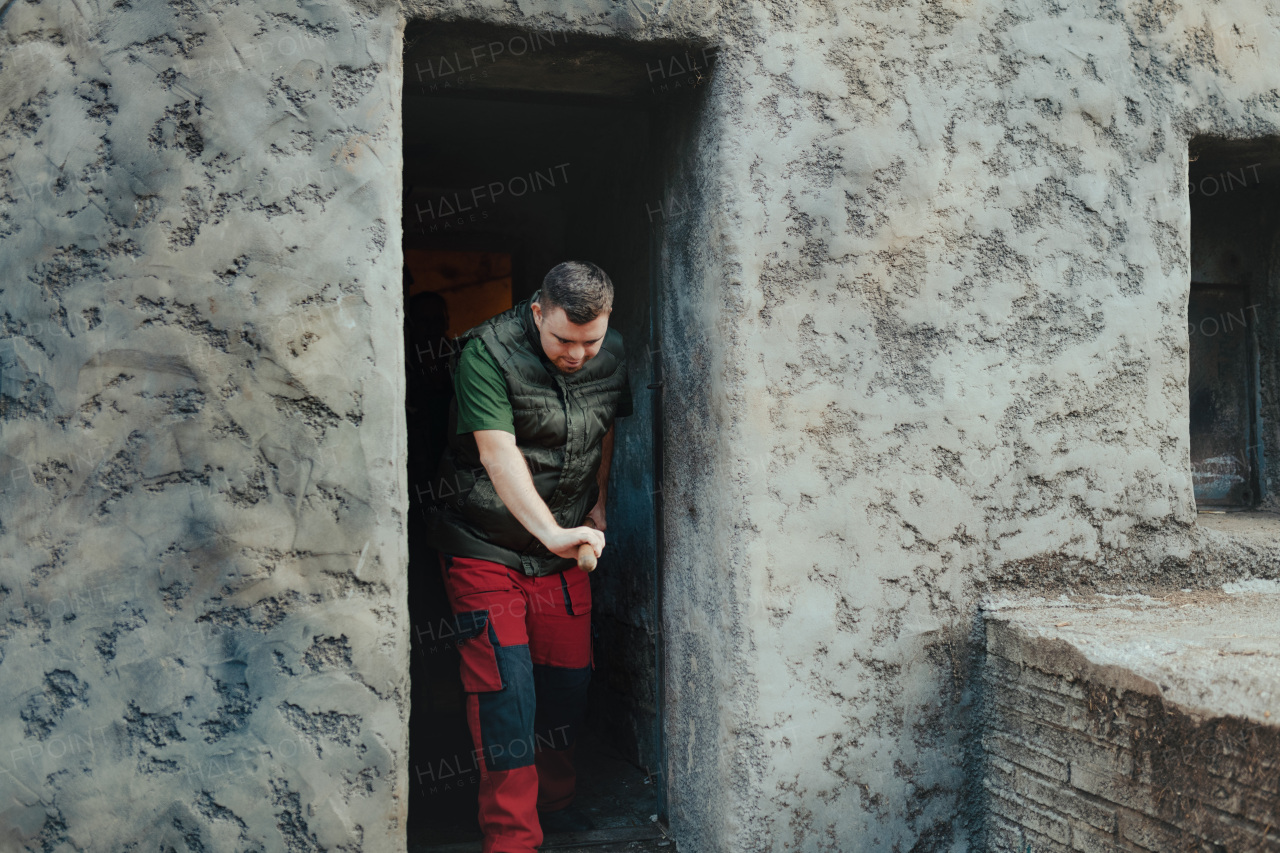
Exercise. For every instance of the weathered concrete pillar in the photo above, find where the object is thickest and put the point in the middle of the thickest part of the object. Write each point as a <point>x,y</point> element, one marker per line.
<point>202,557</point>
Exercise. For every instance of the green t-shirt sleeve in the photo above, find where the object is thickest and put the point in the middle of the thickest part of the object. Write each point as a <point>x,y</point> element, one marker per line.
<point>481,391</point>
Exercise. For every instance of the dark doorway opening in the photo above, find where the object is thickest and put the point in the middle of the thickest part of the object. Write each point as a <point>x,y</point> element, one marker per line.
<point>521,151</point>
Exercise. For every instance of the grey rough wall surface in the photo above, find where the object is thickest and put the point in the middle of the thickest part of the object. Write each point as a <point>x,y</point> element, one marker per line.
<point>1133,725</point>
<point>926,310</point>
<point>203,639</point>
<point>946,347</point>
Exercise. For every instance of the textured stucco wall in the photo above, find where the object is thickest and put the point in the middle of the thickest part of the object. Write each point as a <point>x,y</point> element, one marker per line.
<point>203,639</point>
<point>948,352</point>
<point>924,333</point>
<point>947,347</point>
<point>964,245</point>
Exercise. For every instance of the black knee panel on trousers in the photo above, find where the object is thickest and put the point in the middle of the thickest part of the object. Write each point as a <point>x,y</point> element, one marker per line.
<point>507,715</point>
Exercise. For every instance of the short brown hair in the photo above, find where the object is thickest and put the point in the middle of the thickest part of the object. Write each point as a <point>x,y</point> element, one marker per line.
<point>582,289</point>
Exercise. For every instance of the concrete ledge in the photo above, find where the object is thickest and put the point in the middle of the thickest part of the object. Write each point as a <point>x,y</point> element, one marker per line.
<point>1210,654</point>
<point>1134,723</point>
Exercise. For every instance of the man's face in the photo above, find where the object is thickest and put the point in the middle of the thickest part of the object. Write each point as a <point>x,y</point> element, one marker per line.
<point>568,345</point>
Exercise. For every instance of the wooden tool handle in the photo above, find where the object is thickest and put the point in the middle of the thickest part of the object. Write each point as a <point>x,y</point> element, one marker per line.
<point>587,554</point>
<point>586,557</point>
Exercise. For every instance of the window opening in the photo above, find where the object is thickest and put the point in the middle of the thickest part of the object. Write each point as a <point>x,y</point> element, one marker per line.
<point>1234,343</point>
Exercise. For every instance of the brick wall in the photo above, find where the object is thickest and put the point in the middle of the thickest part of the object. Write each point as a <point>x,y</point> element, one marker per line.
<point>1092,758</point>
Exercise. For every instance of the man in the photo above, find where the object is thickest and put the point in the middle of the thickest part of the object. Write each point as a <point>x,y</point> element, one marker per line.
<point>537,390</point>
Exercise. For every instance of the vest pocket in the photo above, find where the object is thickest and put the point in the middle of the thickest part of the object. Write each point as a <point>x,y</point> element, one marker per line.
<point>476,642</point>
<point>494,523</point>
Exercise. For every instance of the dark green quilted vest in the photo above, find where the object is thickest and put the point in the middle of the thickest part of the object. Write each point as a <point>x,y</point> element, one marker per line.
<point>560,422</point>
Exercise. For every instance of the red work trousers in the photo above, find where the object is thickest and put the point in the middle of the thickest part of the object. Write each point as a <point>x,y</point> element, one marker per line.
<point>526,663</point>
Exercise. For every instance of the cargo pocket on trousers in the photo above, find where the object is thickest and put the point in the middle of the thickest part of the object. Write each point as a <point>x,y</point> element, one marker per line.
<point>575,585</point>
<point>479,660</point>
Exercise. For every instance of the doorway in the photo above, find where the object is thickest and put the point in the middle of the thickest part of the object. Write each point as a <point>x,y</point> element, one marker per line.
<point>521,151</point>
